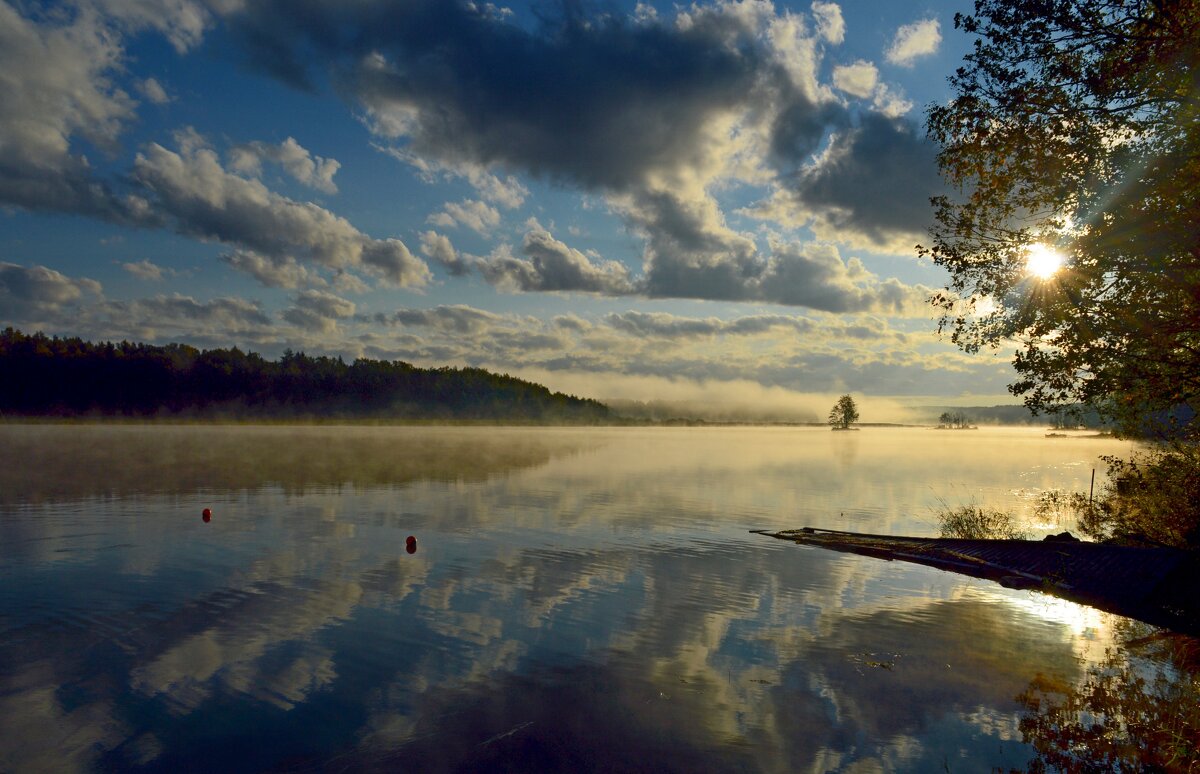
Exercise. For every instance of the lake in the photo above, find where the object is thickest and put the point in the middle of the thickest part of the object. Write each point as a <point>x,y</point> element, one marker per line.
<point>575,599</point>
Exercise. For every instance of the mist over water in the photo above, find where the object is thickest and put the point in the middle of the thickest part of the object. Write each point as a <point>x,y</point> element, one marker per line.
<point>577,599</point>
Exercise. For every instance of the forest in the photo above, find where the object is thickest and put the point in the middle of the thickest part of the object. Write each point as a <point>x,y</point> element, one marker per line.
<point>43,376</point>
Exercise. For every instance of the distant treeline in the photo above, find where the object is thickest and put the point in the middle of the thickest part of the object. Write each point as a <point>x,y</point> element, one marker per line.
<point>70,377</point>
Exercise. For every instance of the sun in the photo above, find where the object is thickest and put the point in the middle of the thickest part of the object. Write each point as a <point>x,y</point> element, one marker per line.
<point>1043,261</point>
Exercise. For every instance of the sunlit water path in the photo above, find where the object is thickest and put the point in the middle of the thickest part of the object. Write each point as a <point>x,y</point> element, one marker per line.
<point>578,599</point>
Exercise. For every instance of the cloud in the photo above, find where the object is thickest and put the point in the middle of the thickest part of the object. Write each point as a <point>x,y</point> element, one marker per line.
<point>668,326</point>
<point>506,191</point>
<point>229,311</point>
<point>204,200</point>
<point>454,319</point>
<point>59,83</point>
<point>597,102</point>
<point>278,272</point>
<point>182,22</point>
<point>830,25</point>
<point>318,310</point>
<point>857,79</point>
<point>217,322</point>
<point>439,248</point>
<point>33,293</point>
<point>872,185</point>
<point>815,276</point>
<point>313,171</point>
<point>799,54</point>
<point>144,270</point>
<point>914,41</point>
<point>153,91</point>
<point>550,265</point>
<point>572,322</point>
<point>691,253</point>
<point>890,102</point>
<point>475,215</point>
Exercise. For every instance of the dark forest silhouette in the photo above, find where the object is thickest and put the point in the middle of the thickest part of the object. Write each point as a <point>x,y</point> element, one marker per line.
<point>70,377</point>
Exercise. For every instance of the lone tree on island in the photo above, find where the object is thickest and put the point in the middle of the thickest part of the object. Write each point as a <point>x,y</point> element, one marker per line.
<point>843,413</point>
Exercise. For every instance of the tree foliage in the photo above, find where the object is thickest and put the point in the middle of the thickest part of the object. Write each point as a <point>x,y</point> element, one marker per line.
<point>1076,124</point>
<point>1149,498</point>
<point>843,413</point>
<point>44,376</point>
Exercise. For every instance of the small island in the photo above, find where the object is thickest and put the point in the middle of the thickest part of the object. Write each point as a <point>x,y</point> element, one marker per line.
<point>955,420</point>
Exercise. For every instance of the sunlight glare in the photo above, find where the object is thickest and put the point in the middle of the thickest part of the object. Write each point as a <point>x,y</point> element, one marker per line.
<point>1043,261</point>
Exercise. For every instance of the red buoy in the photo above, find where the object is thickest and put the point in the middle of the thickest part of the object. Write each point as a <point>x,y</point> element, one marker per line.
<point>206,514</point>
<point>410,544</point>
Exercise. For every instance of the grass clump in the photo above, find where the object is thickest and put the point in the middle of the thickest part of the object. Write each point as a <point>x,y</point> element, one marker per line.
<point>974,522</point>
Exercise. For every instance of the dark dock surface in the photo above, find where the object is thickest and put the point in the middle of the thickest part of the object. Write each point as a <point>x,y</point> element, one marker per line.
<point>1160,586</point>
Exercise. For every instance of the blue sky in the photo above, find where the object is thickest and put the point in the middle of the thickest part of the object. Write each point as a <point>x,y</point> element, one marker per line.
<point>713,203</point>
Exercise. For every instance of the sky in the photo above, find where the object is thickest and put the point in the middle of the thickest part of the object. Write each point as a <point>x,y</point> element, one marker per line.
<point>711,204</point>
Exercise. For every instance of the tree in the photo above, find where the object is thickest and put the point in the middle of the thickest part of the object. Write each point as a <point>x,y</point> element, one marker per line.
<point>843,413</point>
<point>956,420</point>
<point>1075,127</point>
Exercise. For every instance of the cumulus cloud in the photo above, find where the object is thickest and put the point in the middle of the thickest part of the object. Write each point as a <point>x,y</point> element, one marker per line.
<point>182,22</point>
<point>857,79</point>
<point>234,311</point>
<point>798,53</point>
<point>655,116</point>
<point>597,102</point>
<point>669,326</point>
<point>59,83</point>
<point>205,200</point>
<point>455,318</point>
<point>829,21</point>
<point>890,101</point>
<point>144,270</point>
<point>691,253</point>
<point>506,191</point>
<point>439,248</point>
<point>550,265</point>
<point>872,185</point>
<point>815,276</point>
<point>32,293</point>
<point>217,321</point>
<point>277,272</point>
<point>913,41</point>
<point>572,323</point>
<point>475,215</point>
<point>317,310</point>
<point>313,171</point>
<point>153,91</point>
<point>503,190</point>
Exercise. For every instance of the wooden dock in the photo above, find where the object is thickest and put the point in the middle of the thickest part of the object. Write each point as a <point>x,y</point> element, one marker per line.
<point>1160,586</point>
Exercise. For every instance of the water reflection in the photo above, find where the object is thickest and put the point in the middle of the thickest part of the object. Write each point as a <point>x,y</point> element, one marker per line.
<point>1138,710</point>
<point>591,601</point>
<point>66,462</point>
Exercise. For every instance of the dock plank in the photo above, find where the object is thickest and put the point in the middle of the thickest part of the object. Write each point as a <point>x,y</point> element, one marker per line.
<point>1160,586</point>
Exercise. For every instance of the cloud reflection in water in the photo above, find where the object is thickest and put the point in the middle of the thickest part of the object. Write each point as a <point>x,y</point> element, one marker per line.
<point>580,599</point>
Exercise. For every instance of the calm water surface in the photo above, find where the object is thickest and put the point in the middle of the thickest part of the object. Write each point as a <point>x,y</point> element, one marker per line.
<point>578,599</point>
